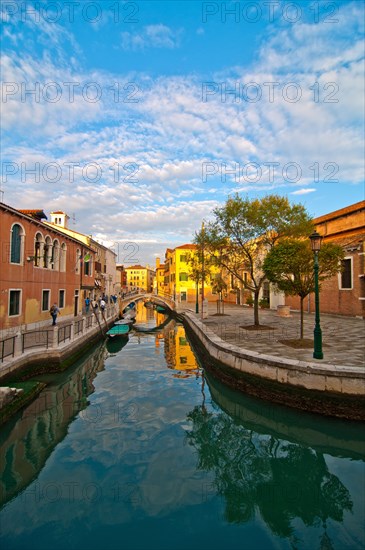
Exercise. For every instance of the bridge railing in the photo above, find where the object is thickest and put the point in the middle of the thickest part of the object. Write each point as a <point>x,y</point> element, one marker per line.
<point>166,299</point>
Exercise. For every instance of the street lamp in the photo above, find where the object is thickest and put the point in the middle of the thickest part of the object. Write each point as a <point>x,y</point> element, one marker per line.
<point>316,241</point>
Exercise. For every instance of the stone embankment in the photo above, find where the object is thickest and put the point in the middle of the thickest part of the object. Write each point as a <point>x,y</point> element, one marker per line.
<point>262,365</point>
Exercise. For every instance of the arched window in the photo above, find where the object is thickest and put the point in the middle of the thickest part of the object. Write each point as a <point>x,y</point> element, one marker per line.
<point>78,261</point>
<point>38,249</point>
<point>16,244</point>
<point>47,253</point>
<point>63,257</point>
<point>55,261</point>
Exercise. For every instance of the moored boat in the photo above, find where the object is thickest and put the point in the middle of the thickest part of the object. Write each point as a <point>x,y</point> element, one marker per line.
<point>118,330</point>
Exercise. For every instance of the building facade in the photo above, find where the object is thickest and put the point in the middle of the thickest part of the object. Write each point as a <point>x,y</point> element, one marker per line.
<point>140,278</point>
<point>344,293</point>
<point>40,266</point>
<point>105,279</point>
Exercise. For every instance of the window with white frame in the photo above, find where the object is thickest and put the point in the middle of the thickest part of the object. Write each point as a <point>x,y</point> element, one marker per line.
<point>16,244</point>
<point>346,274</point>
<point>15,296</point>
<point>45,299</point>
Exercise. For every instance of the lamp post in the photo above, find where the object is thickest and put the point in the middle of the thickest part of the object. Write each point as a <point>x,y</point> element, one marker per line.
<point>316,241</point>
<point>197,296</point>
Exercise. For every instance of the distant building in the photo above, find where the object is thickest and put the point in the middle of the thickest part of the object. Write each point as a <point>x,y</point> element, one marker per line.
<point>159,280</point>
<point>140,278</point>
<point>121,284</point>
<point>40,265</point>
<point>178,279</point>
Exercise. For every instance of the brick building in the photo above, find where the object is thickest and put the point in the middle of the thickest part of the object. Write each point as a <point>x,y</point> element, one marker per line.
<point>343,294</point>
<point>39,266</point>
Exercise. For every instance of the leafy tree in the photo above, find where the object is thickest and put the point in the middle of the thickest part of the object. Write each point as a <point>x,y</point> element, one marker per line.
<point>244,230</point>
<point>290,266</point>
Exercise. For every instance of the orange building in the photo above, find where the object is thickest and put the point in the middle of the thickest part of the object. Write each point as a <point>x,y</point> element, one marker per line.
<point>39,266</point>
<point>343,294</point>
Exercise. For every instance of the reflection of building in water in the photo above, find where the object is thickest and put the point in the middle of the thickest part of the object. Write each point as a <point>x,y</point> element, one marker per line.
<point>178,353</point>
<point>30,440</point>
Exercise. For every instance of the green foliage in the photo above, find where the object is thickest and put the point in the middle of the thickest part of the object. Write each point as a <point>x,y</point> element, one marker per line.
<point>244,230</point>
<point>290,265</point>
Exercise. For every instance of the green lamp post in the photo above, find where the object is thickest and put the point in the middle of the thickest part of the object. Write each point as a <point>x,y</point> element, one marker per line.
<point>316,241</point>
<point>197,296</point>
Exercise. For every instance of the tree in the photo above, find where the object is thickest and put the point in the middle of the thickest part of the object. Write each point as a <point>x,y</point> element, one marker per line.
<point>290,266</point>
<point>199,269</point>
<point>244,230</point>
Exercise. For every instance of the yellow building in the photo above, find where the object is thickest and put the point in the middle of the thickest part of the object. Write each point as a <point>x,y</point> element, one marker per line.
<point>140,278</point>
<point>159,280</point>
<point>179,282</point>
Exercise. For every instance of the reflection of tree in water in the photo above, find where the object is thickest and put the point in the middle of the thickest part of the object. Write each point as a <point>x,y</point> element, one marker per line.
<point>283,480</point>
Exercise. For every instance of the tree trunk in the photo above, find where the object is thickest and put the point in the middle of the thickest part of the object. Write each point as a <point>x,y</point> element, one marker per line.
<point>301,318</point>
<point>256,307</point>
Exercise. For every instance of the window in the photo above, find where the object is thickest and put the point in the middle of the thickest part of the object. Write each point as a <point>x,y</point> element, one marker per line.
<point>47,253</point>
<point>16,244</point>
<point>63,257</point>
<point>78,260</point>
<point>14,302</point>
<point>183,258</point>
<point>61,299</point>
<point>55,260</point>
<point>87,268</point>
<point>346,275</point>
<point>183,277</point>
<point>183,360</point>
<point>38,249</point>
<point>45,300</point>
<point>182,341</point>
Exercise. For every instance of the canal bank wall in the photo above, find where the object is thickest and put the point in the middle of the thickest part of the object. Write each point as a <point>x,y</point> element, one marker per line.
<point>324,388</point>
<point>36,352</point>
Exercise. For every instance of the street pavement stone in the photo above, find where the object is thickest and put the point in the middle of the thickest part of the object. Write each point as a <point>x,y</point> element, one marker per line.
<point>343,337</point>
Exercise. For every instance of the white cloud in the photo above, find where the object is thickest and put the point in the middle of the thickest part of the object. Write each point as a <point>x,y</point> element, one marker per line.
<point>152,36</point>
<point>304,191</point>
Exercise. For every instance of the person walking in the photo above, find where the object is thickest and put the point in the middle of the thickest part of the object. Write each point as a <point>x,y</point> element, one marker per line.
<point>54,311</point>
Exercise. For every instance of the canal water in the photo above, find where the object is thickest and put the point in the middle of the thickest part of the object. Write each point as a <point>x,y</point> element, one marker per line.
<point>136,447</point>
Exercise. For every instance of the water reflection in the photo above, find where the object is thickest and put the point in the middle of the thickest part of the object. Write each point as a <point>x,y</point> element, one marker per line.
<point>256,470</point>
<point>162,456</point>
<point>28,440</point>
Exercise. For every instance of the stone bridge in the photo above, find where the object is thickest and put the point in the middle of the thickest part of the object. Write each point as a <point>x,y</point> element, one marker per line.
<point>166,301</point>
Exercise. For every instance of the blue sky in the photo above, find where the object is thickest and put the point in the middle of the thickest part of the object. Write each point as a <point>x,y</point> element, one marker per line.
<point>138,118</point>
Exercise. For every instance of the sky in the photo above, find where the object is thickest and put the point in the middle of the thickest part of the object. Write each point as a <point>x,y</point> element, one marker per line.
<point>139,118</point>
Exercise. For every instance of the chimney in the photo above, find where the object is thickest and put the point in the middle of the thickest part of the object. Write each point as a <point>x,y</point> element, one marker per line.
<point>157,262</point>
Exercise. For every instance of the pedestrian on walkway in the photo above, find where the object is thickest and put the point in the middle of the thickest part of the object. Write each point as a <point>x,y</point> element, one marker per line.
<point>102,304</point>
<point>87,304</point>
<point>54,311</point>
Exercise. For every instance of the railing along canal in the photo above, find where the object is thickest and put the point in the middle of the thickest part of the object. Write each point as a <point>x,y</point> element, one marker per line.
<point>35,339</point>
<point>78,326</point>
<point>10,348</point>
<point>64,333</point>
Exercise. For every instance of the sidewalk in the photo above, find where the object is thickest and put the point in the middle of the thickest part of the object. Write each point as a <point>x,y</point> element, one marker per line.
<point>343,337</point>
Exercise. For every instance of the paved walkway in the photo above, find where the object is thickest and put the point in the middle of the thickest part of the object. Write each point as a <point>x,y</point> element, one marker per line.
<point>343,337</point>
